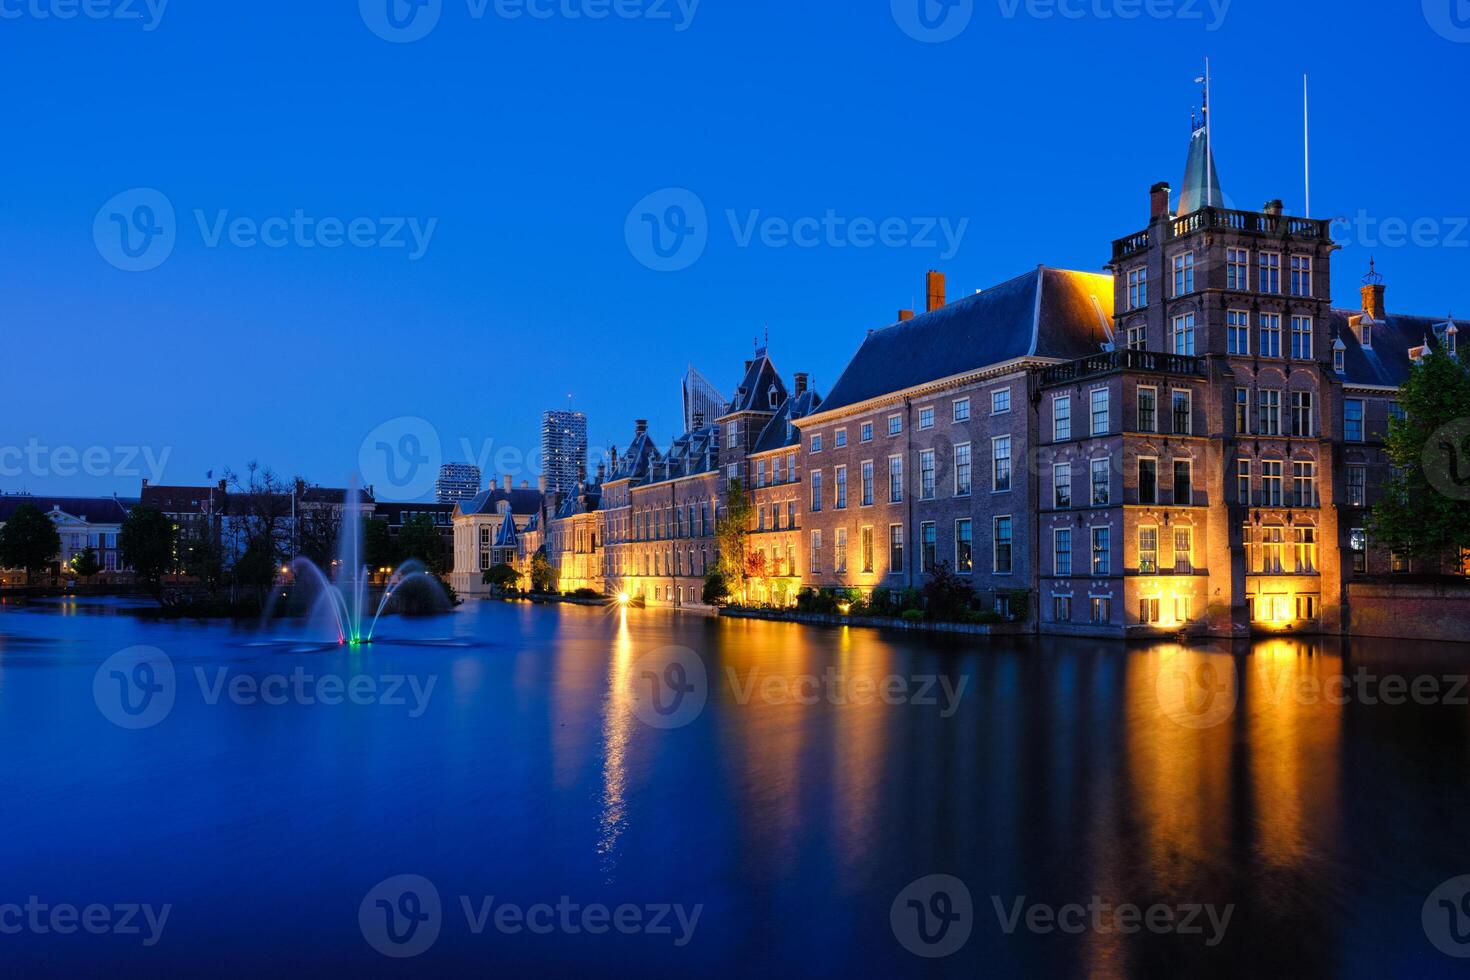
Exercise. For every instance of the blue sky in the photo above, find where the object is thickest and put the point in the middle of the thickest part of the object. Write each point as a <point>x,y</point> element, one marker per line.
<point>518,146</point>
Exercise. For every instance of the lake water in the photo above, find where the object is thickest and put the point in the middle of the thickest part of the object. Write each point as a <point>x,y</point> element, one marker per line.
<point>581,792</point>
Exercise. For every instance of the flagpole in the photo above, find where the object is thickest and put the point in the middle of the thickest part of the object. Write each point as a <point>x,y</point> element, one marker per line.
<point>1307,140</point>
<point>1209,141</point>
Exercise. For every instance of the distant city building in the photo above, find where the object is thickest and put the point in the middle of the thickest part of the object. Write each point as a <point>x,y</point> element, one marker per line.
<point>702,400</point>
<point>564,450</point>
<point>83,523</point>
<point>457,481</point>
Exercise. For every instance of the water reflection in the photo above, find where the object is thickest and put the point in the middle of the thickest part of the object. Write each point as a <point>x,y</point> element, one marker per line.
<point>618,723</point>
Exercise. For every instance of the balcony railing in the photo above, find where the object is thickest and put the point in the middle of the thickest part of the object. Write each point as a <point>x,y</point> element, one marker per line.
<point>1126,359</point>
<point>1254,222</point>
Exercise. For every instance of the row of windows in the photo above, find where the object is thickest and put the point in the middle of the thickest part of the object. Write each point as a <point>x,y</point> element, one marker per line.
<point>1268,552</point>
<point>961,558</point>
<point>783,468</point>
<point>1268,328</point>
<point>1267,414</point>
<point>1237,275</point>
<point>1099,420</point>
<point>1000,404</point>
<point>1303,491</point>
<point>963,476</point>
<point>1101,556</point>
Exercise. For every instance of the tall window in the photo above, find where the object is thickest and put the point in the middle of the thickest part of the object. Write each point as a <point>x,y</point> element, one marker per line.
<point>1358,544</point>
<point>1137,337</point>
<point>1137,288</point>
<point>1000,454</point>
<point>1352,419</point>
<point>1270,419</point>
<point>1272,545</point>
<point>1301,338</point>
<point>1184,274</point>
<point>1148,480</point>
<point>1304,484</point>
<point>1270,272</point>
<point>865,432</point>
<point>1301,275</point>
<point>1183,550</point>
<point>816,491</point>
<point>1061,418</point>
<point>1148,409</point>
<point>926,418</point>
<point>1101,481</point>
<point>839,438</point>
<point>962,477</point>
<point>895,479</point>
<point>926,474</point>
<point>1062,551</point>
<point>760,473</point>
<point>867,483</point>
<point>1183,412</point>
<point>1148,550</point>
<point>816,565</point>
<point>1061,482</point>
<point>866,538</point>
<point>1237,332</point>
<point>816,443</point>
<point>841,488</point>
<point>1243,481</point>
<point>895,549</point>
<point>1270,335</point>
<point>928,546</point>
<point>1306,550</point>
<point>1271,482</point>
<point>839,550</point>
<point>964,546</point>
<point>1184,334</point>
<point>1237,268</point>
<point>1242,411</point>
<point>895,424</point>
<point>1183,483</point>
<point>1301,414</point>
<point>1100,412</point>
<point>1102,550</point>
<point>1357,485</point>
<point>1003,556</point>
<point>962,409</point>
<point>1000,401</point>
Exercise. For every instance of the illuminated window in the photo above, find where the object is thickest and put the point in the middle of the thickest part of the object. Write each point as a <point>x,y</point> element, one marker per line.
<point>1102,609</point>
<point>839,553</point>
<point>816,565</point>
<point>841,497</point>
<point>1242,411</point>
<point>1148,611</point>
<point>1358,544</point>
<point>866,537</point>
<point>964,546</point>
<point>1306,550</point>
<point>1102,553</point>
<point>1357,485</point>
<point>1183,551</point>
<point>1272,545</point>
<point>1148,550</point>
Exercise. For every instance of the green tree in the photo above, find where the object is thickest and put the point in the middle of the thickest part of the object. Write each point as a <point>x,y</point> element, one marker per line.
<point>147,545</point>
<point>256,569</point>
<point>731,531</point>
<point>716,589</point>
<point>85,564</point>
<point>29,540</point>
<point>502,577</point>
<point>543,576</point>
<point>377,545</point>
<point>419,538</point>
<point>204,559</point>
<point>1425,507</point>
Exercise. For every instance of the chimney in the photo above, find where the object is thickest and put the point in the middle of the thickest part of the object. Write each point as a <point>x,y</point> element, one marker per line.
<point>904,316</point>
<point>802,380</point>
<point>145,483</point>
<point>541,483</point>
<point>640,426</point>
<point>509,485</point>
<point>1373,301</point>
<point>1275,207</point>
<point>525,484</point>
<point>1158,201</point>
<point>936,290</point>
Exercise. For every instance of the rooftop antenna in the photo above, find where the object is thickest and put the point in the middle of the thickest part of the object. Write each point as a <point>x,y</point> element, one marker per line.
<point>1373,278</point>
<point>1209,140</point>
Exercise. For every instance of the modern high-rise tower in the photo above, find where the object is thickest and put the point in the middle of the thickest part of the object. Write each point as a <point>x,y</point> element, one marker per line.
<point>564,450</point>
<point>701,400</point>
<point>457,481</point>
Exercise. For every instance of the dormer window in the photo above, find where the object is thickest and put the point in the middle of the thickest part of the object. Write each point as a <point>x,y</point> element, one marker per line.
<point>771,396</point>
<point>1339,358</point>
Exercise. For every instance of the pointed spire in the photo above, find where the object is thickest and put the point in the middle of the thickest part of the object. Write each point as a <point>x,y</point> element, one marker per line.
<point>1201,177</point>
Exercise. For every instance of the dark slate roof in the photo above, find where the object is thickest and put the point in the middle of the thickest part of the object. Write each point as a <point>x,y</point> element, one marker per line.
<point>179,500</point>
<point>1045,313</point>
<point>506,536</point>
<point>333,495</point>
<point>779,433</point>
<point>93,510</point>
<point>753,394</point>
<point>523,502</point>
<point>587,500</point>
<point>1387,363</point>
<point>635,463</point>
